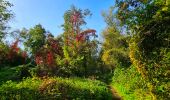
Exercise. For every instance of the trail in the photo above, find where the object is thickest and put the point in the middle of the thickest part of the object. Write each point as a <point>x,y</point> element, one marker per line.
<point>115,95</point>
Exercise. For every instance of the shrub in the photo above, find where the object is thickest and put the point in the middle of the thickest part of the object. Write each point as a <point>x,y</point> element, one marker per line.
<point>8,73</point>
<point>23,71</point>
<point>16,73</point>
<point>55,88</point>
<point>130,84</point>
<point>12,55</point>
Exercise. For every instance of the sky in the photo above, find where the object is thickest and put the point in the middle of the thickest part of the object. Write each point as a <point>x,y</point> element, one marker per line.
<point>49,13</point>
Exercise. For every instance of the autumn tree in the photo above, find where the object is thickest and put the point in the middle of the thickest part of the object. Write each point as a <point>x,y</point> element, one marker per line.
<point>43,48</point>
<point>78,46</point>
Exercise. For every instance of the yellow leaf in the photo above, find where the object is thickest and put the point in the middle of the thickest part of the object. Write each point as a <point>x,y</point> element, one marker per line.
<point>165,9</point>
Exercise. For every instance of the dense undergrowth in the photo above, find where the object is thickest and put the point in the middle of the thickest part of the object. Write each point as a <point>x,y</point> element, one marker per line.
<point>13,85</point>
<point>55,88</point>
<point>129,84</point>
<point>7,74</point>
<point>16,73</point>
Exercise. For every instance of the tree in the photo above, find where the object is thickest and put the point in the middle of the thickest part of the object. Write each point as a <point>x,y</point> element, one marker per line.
<point>34,39</point>
<point>43,48</point>
<point>45,57</point>
<point>147,21</point>
<point>12,55</point>
<point>77,42</point>
<point>5,16</point>
<point>115,46</point>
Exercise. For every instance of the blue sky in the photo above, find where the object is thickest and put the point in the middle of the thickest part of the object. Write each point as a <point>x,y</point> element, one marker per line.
<point>49,13</point>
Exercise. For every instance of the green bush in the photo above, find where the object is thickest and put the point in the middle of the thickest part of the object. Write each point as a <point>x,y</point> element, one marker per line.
<point>55,88</point>
<point>130,84</point>
<point>16,73</point>
<point>8,73</point>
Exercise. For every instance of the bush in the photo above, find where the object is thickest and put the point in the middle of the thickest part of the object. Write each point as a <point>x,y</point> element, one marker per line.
<point>12,55</point>
<point>55,88</point>
<point>16,73</point>
<point>23,71</point>
<point>114,56</point>
<point>130,84</point>
<point>8,73</point>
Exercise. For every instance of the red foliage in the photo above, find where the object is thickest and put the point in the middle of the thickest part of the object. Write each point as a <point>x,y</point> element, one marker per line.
<point>15,55</point>
<point>86,32</point>
<point>14,46</point>
<point>13,51</point>
<point>50,58</point>
<point>46,56</point>
<point>75,17</point>
<point>24,54</point>
<point>38,60</point>
<point>54,45</point>
<point>74,34</point>
<point>82,36</point>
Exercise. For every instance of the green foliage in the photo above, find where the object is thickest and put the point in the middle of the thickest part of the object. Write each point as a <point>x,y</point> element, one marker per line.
<point>23,71</point>
<point>8,73</point>
<point>70,67</point>
<point>5,16</point>
<point>34,39</point>
<point>130,84</point>
<point>16,73</point>
<point>3,54</point>
<point>55,88</point>
<point>115,48</point>
<point>147,21</point>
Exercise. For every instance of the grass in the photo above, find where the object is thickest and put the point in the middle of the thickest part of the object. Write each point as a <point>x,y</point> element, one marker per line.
<point>129,84</point>
<point>123,92</point>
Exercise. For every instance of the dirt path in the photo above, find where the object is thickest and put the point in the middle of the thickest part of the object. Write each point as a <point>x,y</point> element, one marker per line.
<point>115,95</point>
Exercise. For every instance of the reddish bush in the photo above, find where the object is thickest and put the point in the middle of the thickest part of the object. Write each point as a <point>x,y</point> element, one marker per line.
<point>12,55</point>
<point>46,56</point>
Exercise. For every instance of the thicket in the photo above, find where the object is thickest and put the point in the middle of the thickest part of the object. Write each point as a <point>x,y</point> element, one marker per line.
<point>55,88</point>
<point>146,22</point>
<point>130,84</point>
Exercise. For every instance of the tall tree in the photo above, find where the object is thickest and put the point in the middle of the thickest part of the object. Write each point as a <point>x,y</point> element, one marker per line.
<point>77,42</point>
<point>115,45</point>
<point>5,16</point>
<point>34,38</point>
<point>148,23</point>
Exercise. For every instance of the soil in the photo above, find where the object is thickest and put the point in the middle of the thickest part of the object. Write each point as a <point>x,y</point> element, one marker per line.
<point>115,94</point>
